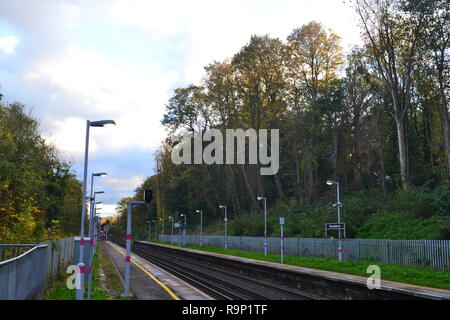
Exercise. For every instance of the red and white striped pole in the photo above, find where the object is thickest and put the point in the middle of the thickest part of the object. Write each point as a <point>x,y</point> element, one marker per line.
<point>126,292</point>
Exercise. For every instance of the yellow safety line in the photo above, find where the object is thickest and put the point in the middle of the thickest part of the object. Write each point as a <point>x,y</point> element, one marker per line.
<point>173,295</point>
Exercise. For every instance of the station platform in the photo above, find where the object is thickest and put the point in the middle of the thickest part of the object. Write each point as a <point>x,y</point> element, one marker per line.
<point>149,282</point>
<point>323,281</point>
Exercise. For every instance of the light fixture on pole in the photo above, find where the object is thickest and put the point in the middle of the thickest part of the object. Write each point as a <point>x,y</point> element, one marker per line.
<point>96,226</point>
<point>338,204</point>
<point>92,199</point>
<point>265,223</point>
<point>225,243</point>
<point>130,205</point>
<point>92,240</point>
<point>201,226</point>
<point>81,266</point>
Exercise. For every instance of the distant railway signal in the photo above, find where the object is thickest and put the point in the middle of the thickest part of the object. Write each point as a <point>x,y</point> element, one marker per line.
<point>148,196</point>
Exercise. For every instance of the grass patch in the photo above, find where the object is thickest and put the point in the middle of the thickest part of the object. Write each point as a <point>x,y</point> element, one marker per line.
<point>411,275</point>
<point>59,290</point>
<point>112,281</point>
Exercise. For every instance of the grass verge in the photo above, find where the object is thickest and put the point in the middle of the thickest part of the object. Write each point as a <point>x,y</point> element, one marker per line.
<point>410,275</point>
<point>106,284</point>
<point>112,283</point>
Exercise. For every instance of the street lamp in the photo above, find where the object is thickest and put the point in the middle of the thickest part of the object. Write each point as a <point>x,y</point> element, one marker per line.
<point>92,199</point>
<point>93,213</point>
<point>96,225</point>
<point>265,223</point>
<point>338,204</point>
<point>130,205</point>
<point>201,226</point>
<point>225,220</point>
<point>89,124</point>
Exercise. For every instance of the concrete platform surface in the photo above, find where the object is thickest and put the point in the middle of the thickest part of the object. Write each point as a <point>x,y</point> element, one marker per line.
<point>413,290</point>
<point>149,282</point>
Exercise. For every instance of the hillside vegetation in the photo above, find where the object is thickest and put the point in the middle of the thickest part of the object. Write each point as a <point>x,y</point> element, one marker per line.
<point>40,198</point>
<point>374,118</point>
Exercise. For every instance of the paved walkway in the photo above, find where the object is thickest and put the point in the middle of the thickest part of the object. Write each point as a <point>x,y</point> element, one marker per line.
<point>148,282</point>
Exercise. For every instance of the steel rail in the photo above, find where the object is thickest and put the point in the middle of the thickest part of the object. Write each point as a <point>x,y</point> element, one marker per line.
<point>216,282</point>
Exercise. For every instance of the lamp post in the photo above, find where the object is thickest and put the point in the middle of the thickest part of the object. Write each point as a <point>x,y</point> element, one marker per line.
<point>130,205</point>
<point>91,241</point>
<point>338,204</point>
<point>225,244</point>
<point>94,210</point>
<point>81,270</point>
<point>95,229</point>
<point>265,223</point>
<point>92,199</point>
<point>201,226</point>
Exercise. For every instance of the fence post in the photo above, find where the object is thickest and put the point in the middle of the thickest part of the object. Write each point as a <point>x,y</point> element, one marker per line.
<point>12,281</point>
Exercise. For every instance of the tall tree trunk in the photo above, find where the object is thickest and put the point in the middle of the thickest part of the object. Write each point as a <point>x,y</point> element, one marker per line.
<point>250,191</point>
<point>279,187</point>
<point>444,119</point>
<point>297,173</point>
<point>427,138</point>
<point>400,125</point>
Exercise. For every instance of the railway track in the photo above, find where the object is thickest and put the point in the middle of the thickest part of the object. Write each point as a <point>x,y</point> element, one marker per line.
<point>217,283</point>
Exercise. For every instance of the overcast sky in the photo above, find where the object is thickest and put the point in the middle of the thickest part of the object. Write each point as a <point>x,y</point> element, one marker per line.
<point>74,60</point>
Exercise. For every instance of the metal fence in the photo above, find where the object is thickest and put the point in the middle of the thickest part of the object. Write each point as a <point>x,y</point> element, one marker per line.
<point>434,254</point>
<point>24,275</point>
<point>9,251</point>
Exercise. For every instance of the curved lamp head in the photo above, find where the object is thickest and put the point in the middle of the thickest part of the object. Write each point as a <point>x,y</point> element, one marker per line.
<point>260,198</point>
<point>99,174</point>
<point>101,123</point>
<point>222,207</point>
<point>198,211</point>
<point>331,182</point>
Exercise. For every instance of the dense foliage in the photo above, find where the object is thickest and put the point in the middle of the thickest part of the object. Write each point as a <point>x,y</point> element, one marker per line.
<point>40,199</point>
<point>375,119</point>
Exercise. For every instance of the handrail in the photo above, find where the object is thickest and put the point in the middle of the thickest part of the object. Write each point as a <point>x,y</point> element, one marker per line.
<point>38,246</point>
<point>17,245</point>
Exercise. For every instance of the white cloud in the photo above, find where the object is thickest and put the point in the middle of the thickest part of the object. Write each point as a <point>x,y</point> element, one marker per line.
<point>107,210</point>
<point>215,30</point>
<point>8,44</point>
<point>69,72</point>
<point>102,91</point>
<point>124,184</point>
